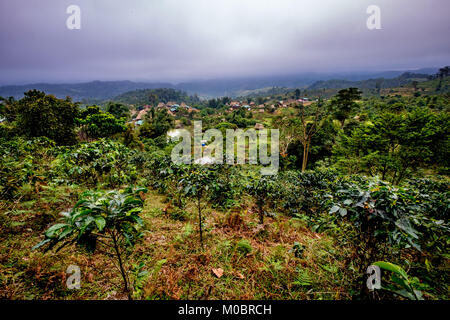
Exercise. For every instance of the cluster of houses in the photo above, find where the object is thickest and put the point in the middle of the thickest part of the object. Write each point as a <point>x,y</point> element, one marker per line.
<point>235,105</point>
<point>172,108</point>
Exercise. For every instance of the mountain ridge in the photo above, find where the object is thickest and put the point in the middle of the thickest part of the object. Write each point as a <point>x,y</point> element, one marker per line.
<point>103,90</point>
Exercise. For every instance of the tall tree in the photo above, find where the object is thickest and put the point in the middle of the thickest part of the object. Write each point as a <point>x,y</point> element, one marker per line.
<point>310,121</point>
<point>344,104</point>
<point>289,132</point>
<point>156,124</point>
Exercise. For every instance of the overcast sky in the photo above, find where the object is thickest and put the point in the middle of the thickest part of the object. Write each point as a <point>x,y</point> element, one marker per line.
<point>175,40</point>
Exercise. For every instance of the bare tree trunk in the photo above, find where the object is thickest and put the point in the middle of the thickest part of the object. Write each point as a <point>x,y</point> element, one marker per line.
<point>261,214</point>
<point>307,152</point>
<point>304,157</point>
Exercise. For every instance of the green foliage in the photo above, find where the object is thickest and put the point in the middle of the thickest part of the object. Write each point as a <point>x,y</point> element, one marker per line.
<point>402,284</point>
<point>244,247</point>
<point>195,183</point>
<point>88,111</point>
<point>22,162</point>
<point>41,115</point>
<point>395,145</point>
<point>225,187</point>
<point>344,103</point>
<point>101,125</point>
<point>239,118</point>
<point>156,126</point>
<point>103,161</point>
<point>100,219</point>
<point>262,189</point>
<point>152,96</point>
<point>118,110</point>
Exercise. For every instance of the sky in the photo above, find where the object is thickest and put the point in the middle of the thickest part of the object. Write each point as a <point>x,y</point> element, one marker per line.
<point>181,40</point>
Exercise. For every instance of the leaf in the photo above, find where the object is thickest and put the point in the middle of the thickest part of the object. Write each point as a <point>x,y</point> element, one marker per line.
<point>50,233</point>
<point>343,212</point>
<point>133,211</point>
<point>66,232</point>
<point>100,222</point>
<point>391,267</point>
<point>218,272</point>
<point>40,244</point>
<point>334,209</point>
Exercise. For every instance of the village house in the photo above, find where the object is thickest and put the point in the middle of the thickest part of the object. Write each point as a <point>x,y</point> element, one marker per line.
<point>139,120</point>
<point>193,110</point>
<point>235,105</point>
<point>259,126</point>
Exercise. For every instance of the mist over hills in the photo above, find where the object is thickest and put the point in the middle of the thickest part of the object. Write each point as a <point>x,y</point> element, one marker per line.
<point>104,90</point>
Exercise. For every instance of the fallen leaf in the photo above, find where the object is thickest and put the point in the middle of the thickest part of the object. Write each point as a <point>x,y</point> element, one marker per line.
<point>240,275</point>
<point>218,272</point>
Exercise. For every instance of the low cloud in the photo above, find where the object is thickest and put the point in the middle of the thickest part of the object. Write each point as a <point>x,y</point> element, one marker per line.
<point>175,40</point>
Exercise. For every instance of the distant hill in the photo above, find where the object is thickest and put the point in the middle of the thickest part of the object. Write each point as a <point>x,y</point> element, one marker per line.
<point>143,97</point>
<point>382,83</point>
<point>103,90</point>
<point>95,90</point>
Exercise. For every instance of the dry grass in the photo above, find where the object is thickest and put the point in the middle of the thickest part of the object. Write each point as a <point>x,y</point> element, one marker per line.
<point>257,260</point>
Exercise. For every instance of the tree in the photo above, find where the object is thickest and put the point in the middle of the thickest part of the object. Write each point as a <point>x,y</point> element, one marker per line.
<point>101,125</point>
<point>297,93</point>
<point>444,72</point>
<point>8,108</point>
<point>289,131</point>
<point>90,110</point>
<point>262,189</point>
<point>153,99</point>
<point>395,145</point>
<point>378,85</point>
<point>118,110</point>
<point>130,139</point>
<point>309,124</point>
<point>195,183</point>
<point>108,222</point>
<point>41,115</point>
<point>156,124</point>
<point>344,104</point>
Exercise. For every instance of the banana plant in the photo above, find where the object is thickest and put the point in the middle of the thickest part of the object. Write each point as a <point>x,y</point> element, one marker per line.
<point>108,222</point>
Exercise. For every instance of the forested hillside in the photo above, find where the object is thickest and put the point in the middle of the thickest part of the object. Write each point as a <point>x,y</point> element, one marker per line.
<point>147,96</point>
